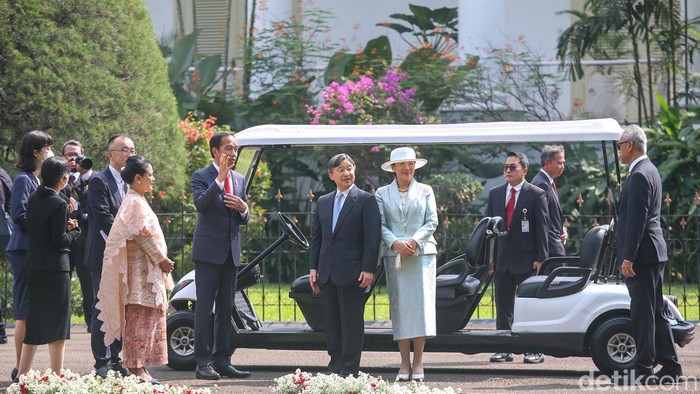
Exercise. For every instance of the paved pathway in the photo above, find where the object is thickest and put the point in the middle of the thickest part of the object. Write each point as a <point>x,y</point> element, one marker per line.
<point>470,373</point>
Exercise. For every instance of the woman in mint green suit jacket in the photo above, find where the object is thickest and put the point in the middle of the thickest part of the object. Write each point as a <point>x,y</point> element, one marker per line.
<point>409,219</point>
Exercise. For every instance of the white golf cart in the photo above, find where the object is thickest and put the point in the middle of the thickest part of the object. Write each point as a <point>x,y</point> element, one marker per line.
<point>580,309</point>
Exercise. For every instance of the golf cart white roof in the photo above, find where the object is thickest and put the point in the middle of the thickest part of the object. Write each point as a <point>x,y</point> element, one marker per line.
<point>461,133</point>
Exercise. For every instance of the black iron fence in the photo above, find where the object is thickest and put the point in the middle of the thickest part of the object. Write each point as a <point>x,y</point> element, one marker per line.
<point>288,262</point>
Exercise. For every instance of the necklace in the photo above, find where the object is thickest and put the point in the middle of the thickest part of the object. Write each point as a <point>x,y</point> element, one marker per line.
<point>403,190</point>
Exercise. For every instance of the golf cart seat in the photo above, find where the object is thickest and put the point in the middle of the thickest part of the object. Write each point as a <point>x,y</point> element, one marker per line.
<point>589,256</point>
<point>574,273</point>
<point>311,304</point>
<point>455,293</point>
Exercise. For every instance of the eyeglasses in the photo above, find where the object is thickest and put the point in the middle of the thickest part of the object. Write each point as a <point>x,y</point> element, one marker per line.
<point>510,167</point>
<point>130,151</point>
<point>619,144</point>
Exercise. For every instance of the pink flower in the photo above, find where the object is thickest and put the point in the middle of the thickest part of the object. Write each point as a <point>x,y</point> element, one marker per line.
<point>390,100</point>
<point>349,107</point>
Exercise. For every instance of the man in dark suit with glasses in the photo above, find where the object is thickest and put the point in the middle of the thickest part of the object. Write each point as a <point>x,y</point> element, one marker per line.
<point>105,195</point>
<point>520,254</point>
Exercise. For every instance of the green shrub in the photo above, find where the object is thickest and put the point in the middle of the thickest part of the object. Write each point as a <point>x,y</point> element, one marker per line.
<point>88,69</point>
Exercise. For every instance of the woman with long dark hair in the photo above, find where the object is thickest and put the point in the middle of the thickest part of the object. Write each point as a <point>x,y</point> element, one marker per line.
<point>34,148</point>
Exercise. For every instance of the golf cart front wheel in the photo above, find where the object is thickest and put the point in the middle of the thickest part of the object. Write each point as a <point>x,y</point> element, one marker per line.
<point>181,341</point>
<point>613,347</point>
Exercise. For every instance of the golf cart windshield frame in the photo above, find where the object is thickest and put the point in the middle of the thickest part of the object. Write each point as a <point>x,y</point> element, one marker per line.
<point>252,141</point>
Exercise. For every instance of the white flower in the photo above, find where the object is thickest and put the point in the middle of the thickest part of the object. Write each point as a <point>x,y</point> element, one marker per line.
<point>67,382</point>
<point>306,383</point>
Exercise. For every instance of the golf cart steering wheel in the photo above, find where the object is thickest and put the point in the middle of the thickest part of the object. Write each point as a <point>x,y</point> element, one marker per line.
<point>291,231</point>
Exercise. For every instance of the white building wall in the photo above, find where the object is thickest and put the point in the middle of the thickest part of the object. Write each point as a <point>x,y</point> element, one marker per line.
<point>485,24</point>
<point>163,17</point>
<point>356,20</point>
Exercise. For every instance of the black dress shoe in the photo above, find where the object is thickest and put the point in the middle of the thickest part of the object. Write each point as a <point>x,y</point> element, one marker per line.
<point>501,357</point>
<point>230,371</point>
<point>13,374</point>
<point>533,358</point>
<point>118,367</point>
<point>102,371</point>
<point>666,376</point>
<point>206,373</point>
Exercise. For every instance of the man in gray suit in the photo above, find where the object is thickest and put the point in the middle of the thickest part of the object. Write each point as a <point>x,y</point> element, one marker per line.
<point>219,196</point>
<point>344,249</point>
<point>104,197</point>
<point>523,207</point>
<point>552,160</point>
<point>642,255</point>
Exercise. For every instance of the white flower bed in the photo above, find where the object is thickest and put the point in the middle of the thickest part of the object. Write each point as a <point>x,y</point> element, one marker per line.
<point>306,383</point>
<point>35,382</point>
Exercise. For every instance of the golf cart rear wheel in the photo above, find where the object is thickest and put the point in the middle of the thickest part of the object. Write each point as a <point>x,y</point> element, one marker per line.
<point>181,341</point>
<point>613,347</point>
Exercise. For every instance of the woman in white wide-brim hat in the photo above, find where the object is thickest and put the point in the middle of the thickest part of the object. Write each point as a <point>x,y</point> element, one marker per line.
<point>409,219</point>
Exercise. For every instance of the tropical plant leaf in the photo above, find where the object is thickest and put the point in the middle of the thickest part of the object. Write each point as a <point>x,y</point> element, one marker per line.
<point>183,53</point>
<point>208,71</point>
<point>396,27</point>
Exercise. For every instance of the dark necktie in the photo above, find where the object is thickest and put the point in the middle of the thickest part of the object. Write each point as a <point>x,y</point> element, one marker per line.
<point>554,187</point>
<point>510,207</point>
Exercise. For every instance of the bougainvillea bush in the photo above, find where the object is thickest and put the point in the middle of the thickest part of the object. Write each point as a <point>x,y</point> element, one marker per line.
<point>368,101</point>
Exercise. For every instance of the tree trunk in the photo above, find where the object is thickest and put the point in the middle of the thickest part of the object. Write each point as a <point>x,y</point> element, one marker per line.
<point>647,40</point>
<point>248,51</point>
<point>641,105</point>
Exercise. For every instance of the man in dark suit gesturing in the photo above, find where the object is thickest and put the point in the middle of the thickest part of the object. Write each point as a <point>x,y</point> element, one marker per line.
<point>220,199</point>
<point>344,250</point>
<point>104,197</point>
<point>552,161</point>
<point>521,253</point>
<point>642,255</point>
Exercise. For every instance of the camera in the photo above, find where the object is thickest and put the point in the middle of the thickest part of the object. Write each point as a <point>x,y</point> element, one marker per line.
<point>83,162</point>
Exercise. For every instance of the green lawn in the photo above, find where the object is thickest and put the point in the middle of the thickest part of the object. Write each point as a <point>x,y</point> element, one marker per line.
<point>274,303</point>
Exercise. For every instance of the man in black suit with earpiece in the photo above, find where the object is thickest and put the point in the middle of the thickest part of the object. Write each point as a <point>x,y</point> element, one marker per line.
<point>520,254</point>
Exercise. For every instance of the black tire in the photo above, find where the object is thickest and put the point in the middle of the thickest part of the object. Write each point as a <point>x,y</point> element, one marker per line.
<point>613,347</point>
<point>181,341</point>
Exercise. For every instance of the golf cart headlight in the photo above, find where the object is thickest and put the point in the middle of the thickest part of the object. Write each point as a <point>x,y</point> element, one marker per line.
<point>180,286</point>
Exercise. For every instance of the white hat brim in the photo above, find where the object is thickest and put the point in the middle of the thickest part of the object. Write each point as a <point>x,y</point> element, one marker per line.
<point>419,163</point>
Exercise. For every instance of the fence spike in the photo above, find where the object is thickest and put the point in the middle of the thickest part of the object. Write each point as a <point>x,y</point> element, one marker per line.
<point>278,196</point>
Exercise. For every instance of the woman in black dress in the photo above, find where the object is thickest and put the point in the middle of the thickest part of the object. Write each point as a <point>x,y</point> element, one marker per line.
<point>50,234</point>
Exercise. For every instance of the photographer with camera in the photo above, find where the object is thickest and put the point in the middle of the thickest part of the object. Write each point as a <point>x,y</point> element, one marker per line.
<point>81,171</point>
